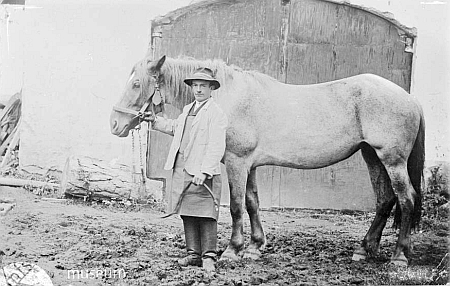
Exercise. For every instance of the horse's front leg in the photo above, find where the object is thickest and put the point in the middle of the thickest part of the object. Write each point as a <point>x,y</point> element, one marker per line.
<point>237,177</point>
<point>258,239</point>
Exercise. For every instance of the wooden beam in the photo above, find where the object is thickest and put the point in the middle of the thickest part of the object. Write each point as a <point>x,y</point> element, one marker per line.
<point>13,182</point>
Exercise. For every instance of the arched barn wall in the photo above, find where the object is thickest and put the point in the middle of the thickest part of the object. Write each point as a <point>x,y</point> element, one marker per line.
<point>297,42</point>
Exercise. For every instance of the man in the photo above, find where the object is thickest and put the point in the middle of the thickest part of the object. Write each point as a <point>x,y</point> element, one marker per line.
<point>194,158</point>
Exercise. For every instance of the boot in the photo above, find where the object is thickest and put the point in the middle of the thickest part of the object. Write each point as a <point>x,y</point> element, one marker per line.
<point>193,246</point>
<point>190,260</point>
<point>208,233</point>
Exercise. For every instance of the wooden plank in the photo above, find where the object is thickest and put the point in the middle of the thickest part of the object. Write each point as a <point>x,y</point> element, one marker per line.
<point>7,141</point>
<point>12,144</point>
<point>13,182</point>
<point>9,117</point>
<point>14,102</point>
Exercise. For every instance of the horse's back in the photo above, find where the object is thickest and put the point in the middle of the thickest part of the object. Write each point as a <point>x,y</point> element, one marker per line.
<point>375,94</point>
<point>311,126</point>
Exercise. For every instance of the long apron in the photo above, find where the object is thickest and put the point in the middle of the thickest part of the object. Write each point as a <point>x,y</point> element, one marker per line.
<point>196,200</point>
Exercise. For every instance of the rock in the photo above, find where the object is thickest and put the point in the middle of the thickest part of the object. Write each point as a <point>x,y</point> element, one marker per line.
<point>356,280</point>
<point>126,239</point>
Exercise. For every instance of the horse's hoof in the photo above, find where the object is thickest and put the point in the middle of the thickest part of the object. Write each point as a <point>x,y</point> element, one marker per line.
<point>401,260</point>
<point>398,262</point>
<point>371,249</point>
<point>253,254</point>
<point>359,254</point>
<point>358,257</point>
<point>229,255</point>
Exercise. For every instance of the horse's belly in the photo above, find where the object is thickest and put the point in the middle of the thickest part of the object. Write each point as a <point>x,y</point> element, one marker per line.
<point>305,156</point>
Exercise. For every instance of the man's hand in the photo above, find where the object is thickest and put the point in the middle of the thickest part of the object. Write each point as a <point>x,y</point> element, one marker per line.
<point>199,179</point>
<point>149,116</point>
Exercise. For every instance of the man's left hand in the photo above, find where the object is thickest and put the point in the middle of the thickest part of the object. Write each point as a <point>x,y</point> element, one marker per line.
<point>199,179</point>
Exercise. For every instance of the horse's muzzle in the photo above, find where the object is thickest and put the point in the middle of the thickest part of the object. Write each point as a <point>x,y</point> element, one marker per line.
<point>120,125</point>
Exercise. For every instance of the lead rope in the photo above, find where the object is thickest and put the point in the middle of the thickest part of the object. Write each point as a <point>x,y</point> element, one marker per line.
<point>141,161</point>
<point>133,165</point>
<point>141,182</point>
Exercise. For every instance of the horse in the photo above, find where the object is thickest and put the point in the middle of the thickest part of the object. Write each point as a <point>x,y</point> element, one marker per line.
<point>298,126</point>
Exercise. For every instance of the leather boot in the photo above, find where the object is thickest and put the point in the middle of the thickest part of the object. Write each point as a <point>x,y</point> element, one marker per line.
<point>208,233</point>
<point>193,246</point>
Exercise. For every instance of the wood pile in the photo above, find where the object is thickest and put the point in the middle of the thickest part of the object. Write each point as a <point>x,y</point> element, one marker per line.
<point>90,178</point>
<point>9,128</point>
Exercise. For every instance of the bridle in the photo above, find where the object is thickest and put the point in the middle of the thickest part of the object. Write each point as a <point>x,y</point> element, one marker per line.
<point>143,114</point>
<point>152,101</point>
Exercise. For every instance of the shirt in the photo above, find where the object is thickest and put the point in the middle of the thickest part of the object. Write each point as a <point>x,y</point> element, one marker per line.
<point>198,104</point>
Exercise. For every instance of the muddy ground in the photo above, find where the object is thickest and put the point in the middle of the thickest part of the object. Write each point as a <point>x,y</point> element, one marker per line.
<point>303,247</point>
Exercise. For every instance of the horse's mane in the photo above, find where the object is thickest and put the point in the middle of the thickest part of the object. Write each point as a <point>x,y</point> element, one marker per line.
<point>176,70</point>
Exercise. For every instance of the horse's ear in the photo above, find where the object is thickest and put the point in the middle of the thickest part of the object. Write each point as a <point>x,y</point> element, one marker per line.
<point>160,63</point>
<point>157,67</point>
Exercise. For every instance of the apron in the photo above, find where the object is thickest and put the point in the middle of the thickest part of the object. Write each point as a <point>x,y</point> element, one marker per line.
<point>193,200</point>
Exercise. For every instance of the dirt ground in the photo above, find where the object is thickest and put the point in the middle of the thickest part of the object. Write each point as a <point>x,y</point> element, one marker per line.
<point>132,245</point>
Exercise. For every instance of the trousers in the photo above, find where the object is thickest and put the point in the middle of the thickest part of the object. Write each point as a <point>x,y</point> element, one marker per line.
<point>201,236</point>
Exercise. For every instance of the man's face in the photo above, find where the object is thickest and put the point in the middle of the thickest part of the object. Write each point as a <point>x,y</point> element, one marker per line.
<point>202,89</point>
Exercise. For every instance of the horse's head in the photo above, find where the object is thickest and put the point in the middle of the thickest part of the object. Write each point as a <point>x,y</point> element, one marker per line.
<point>140,97</point>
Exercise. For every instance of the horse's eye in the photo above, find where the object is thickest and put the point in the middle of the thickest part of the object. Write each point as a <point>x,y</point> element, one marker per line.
<point>136,84</point>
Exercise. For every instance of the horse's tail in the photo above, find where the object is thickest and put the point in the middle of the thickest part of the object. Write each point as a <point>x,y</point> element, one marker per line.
<point>416,163</point>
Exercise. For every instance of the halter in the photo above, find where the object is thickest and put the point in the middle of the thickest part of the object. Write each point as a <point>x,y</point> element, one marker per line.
<point>143,113</point>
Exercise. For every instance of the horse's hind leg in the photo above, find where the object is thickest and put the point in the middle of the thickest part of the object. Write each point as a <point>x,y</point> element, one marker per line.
<point>406,198</point>
<point>396,166</point>
<point>258,239</point>
<point>237,178</point>
<point>385,201</point>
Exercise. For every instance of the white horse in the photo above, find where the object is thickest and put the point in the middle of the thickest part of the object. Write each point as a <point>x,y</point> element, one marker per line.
<point>299,126</point>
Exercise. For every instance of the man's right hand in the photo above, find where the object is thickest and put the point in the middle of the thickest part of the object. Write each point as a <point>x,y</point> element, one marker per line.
<point>149,116</point>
